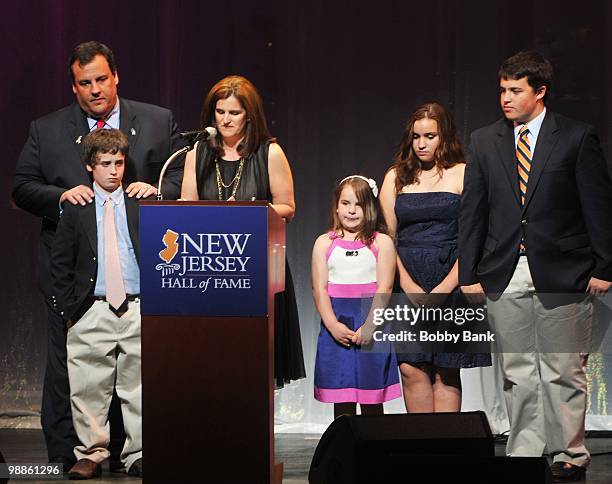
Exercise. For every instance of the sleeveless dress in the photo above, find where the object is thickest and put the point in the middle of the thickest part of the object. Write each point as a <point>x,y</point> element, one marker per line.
<point>427,227</point>
<point>349,374</point>
<point>254,185</point>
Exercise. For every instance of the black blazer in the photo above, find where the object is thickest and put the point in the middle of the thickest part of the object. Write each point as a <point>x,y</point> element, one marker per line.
<point>566,222</point>
<point>50,163</point>
<point>74,257</point>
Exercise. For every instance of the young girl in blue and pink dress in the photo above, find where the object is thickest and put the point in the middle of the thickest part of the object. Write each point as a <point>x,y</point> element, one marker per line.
<point>352,261</point>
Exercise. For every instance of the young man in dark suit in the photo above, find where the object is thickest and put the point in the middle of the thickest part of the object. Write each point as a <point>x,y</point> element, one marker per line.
<point>50,175</point>
<point>536,236</point>
<point>94,264</point>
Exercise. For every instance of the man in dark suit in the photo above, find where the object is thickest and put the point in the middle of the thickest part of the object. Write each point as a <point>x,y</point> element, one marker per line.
<point>535,236</point>
<point>94,265</point>
<point>50,175</point>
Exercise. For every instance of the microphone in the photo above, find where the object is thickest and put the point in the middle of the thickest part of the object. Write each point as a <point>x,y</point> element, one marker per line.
<point>198,135</point>
<point>191,137</point>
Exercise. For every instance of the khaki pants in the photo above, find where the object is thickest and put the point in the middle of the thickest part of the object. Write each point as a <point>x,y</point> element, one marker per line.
<point>104,353</point>
<point>546,392</point>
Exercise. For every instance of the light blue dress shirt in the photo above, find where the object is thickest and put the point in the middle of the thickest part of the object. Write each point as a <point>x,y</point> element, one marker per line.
<point>534,130</point>
<point>127,256</point>
<point>111,122</point>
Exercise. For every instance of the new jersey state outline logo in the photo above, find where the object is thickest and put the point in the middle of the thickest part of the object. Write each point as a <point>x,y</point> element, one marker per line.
<point>170,240</point>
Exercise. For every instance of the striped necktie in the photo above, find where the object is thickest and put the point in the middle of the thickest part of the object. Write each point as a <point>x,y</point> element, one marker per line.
<point>523,157</point>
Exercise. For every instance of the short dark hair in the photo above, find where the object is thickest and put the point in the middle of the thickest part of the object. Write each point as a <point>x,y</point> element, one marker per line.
<point>84,53</point>
<point>99,141</point>
<point>532,65</point>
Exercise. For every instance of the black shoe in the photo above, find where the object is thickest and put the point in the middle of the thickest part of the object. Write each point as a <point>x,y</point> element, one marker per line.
<point>566,472</point>
<point>136,468</point>
<point>116,466</point>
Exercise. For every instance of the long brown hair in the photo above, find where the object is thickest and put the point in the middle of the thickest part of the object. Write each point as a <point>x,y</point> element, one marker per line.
<point>256,128</point>
<point>372,215</point>
<point>449,152</point>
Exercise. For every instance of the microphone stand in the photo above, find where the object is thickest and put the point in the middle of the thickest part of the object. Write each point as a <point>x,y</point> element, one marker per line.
<point>169,161</point>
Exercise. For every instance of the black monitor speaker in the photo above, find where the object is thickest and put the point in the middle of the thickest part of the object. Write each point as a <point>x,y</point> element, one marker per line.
<point>438,447</point>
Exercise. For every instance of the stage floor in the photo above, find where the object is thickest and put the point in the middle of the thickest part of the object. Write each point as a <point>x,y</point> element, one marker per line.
<point>295,450</point>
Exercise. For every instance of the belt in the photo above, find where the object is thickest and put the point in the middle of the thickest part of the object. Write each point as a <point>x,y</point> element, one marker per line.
<point>121,310</point>
<point>128,297</point>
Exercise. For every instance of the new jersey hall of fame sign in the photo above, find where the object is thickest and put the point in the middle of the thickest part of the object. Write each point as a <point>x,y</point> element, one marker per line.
<point>203,260</point>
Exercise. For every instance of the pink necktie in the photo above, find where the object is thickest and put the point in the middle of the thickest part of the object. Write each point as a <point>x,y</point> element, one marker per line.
<point>100,123</point>
<point>115,288</point>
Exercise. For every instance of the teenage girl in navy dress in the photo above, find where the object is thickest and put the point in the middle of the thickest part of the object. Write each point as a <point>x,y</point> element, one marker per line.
<point>420,199</point>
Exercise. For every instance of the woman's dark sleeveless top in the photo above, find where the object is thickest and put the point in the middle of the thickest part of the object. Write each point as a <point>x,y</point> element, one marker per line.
<point>254,182</point>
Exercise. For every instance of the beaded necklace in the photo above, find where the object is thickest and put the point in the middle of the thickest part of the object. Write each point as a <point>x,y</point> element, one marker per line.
<point>235,181</point>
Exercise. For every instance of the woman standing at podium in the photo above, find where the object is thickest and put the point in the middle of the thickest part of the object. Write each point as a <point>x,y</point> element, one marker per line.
<point>244,162</point>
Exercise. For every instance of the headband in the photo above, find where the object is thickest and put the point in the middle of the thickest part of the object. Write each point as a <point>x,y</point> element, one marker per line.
<point>371,183</point>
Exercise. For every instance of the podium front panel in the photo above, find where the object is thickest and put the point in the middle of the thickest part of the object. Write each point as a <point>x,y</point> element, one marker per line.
<point>204,260</point>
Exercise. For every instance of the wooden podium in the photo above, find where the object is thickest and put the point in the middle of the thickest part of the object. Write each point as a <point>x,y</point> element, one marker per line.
<point>209,272</point>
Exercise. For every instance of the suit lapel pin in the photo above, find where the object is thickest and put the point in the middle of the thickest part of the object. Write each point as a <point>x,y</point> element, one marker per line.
<point>78,140</point>
<point>133,131</point>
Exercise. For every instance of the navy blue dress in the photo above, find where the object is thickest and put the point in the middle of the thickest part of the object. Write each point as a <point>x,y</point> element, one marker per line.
<point>427,227</point>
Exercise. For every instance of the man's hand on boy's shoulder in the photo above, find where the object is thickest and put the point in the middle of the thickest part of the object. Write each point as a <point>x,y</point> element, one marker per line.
<point>81,194</point>
<point>140,190</point>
